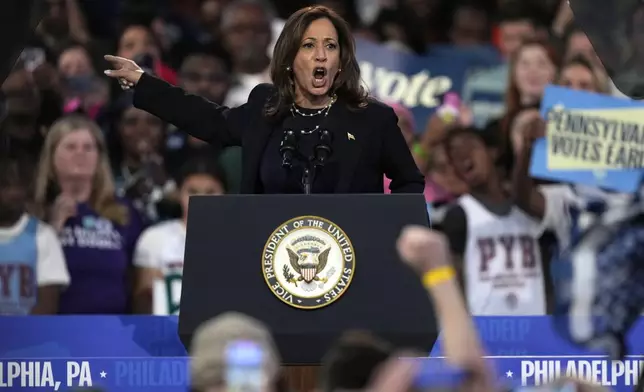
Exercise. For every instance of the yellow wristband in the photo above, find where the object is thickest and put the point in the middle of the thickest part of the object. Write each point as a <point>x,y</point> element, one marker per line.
<point>438,275</point>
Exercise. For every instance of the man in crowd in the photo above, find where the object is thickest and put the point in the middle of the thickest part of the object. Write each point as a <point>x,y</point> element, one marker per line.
<point>247,34</point>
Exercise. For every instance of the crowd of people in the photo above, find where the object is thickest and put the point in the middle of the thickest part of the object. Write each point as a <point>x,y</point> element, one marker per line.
<point>105,185</point>
<point>94,190</point>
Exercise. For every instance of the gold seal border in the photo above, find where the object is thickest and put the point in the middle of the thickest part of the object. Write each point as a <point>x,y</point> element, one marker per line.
<point>288,222</point>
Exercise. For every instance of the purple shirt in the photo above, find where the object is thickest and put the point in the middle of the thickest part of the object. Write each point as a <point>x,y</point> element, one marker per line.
<point>98,254</point>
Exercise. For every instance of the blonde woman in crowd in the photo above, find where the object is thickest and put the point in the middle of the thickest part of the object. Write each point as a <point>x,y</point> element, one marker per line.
<point>75,194</point>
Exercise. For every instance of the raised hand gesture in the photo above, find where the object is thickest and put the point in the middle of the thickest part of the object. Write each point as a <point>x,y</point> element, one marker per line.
<point>126,71</point>
<point>423,249</point>
<point>526,128</point>
<point>63,208</point>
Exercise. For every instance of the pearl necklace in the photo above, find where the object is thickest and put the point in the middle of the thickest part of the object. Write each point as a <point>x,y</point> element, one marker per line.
<point>325,110</point>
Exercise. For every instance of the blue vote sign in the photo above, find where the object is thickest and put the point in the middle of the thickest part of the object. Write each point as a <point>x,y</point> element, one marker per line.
<point>418,82</point>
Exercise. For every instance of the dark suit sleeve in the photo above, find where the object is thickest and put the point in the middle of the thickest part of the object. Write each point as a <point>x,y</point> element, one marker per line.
<point>205,120</point>
<point>397,160</point>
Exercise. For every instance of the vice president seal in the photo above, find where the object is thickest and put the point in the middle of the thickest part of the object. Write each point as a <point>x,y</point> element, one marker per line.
<point>308,262</point>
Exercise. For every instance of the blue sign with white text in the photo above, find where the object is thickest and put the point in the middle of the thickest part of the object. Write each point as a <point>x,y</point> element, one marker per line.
<point>419,82</point>
<point>144,353</point>
<point>599,138</point>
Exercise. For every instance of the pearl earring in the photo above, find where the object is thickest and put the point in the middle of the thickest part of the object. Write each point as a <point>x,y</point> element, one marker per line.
<point>288,69</point>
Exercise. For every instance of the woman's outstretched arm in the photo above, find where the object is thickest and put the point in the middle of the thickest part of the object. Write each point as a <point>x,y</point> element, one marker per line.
<point>193,114</point>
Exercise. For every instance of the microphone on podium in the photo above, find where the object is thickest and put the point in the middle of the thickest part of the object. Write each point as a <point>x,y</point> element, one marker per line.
<point>323,149</point>
<point>287,148</point>
<point>616,31</point>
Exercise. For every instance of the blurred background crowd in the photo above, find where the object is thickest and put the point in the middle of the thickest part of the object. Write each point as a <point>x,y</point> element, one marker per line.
<point>69,127</point>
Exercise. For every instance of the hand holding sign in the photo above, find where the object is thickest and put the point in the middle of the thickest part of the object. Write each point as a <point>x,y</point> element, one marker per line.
<point>594,140</point>
<point>527,127</point>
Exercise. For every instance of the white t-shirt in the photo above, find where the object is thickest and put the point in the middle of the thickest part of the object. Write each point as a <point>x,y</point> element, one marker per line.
<point>51,264</point>
<point>502,262</point>
<point>245,83</point>
<point>277,25</point>
<point>161,247</point>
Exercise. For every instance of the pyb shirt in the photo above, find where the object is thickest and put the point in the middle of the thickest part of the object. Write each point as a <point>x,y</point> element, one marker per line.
<point>98,253</point>
<point>30,257</point>
<point>503,266</point>
<point>161,247</point>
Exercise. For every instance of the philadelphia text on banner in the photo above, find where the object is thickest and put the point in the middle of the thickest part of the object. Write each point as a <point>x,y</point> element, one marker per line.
<point>144,353</point>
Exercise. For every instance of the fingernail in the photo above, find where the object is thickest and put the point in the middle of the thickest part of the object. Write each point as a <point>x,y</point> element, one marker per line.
<point>107,72</point>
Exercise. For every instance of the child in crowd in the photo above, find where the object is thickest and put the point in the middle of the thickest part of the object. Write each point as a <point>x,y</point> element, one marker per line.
<point>160,249</point>
<point>32,266</point>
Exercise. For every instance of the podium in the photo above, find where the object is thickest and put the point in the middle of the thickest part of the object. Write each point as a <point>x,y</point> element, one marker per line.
<point>309,266</point>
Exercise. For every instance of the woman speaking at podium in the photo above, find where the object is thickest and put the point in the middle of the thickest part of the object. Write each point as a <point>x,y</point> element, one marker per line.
<point>315,130</point>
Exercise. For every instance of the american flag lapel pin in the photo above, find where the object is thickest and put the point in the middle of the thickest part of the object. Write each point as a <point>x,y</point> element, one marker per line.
<point>350,136</point>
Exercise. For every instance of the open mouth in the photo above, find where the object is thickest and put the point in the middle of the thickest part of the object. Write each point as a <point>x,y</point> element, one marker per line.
<point>467,167</point>
<point>319,76</point>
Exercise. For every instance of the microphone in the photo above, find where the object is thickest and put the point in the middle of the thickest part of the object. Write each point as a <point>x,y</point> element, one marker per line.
<point>323,149</point>
<point>287,148</point>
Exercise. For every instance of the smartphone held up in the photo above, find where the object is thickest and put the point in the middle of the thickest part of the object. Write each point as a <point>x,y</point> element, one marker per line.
<point>245,370</point>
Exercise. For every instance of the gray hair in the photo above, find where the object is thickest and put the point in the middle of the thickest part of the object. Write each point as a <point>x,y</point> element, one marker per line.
<point>208,347</point>
<point>234,6</point>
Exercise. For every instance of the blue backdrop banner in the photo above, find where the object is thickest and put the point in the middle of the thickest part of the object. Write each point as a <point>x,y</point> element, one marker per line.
<point>144,353</point>
<point>621,180</point>
<point>419,82</point>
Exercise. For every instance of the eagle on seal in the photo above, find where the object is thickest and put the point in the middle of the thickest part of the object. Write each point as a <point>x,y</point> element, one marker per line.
<point>309,264</point>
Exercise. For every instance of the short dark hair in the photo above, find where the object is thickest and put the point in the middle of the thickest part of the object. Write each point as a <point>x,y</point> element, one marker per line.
<point>135,22</point>
<point>516,11</point>
<point>471,4</point>
<point>580,60</point>
<point>211,50</point>
<point>234,6</point>
<point>14,172</point>
<point>347,84</point>
<point>352,361</point>
<point>201,164</point>
<point>487,137</point>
